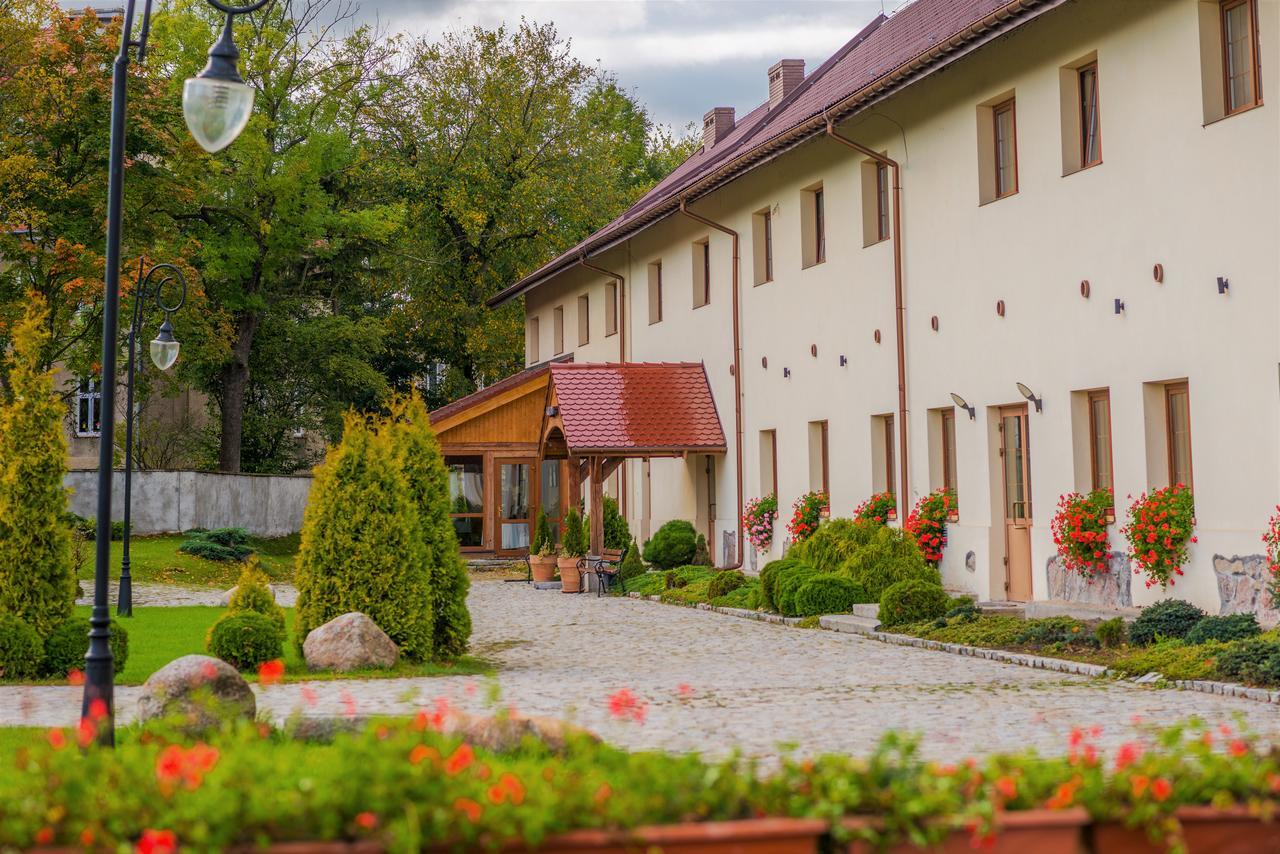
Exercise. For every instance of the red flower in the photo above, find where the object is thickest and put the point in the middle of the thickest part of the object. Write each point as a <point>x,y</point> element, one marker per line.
<point>468,808</point>
<point>1127,755</point>
<point>98,709</point>
<point>459,760</point>
<point>1238,748</point>
<point>624,704</point>
<point>270,672</point>
<point>57,738</point>
<point>1161,789</point>
<point>75,676</point>
<point>1007,787</point>
<point>157,842</point>
<point>366,820</point>
<point>44,835</point>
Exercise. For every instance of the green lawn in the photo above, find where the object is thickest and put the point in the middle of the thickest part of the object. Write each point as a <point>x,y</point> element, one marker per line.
<point>156,560</point>
<point>159,635</point>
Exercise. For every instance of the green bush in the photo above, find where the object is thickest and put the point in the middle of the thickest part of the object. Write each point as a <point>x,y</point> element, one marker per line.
<point>245,640</point>
<point>828,593</point>
<point>631,566</point>
<point>724,581</point>
<point>1111,633</point>
<point>769,576</point>
<point>617,535</point>
<point>986,630</point>
<point>1172,659</point>
<point>1052,630</point>
<point>87,527</point>
<point>672,545</point>
<point>362,547</point>
<point>836,540</point>
<point>573,542</point>
<point>1247,660</point>
<point>21,650</point>
<point>788,585</point>
<point>1169,619</point>
<point>1228,628</point>
<point>542,543</point>
<point>225,545</point>
<point>65,648</point>
<point>701,553</point>
<point>912,600</point>
<point>37,577</point>
<point>253,594</point>
<point>890,555</point>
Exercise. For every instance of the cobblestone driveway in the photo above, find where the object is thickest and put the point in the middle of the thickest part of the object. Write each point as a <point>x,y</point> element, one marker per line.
<point>753,685</point>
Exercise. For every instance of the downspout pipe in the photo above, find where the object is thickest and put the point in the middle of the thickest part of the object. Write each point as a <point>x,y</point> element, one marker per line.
<point>622,339</point>
<point>737,367</point>
<point>904,484</point>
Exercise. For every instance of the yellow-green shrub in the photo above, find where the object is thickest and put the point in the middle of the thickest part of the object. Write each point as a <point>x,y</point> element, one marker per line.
<point>253,594</point>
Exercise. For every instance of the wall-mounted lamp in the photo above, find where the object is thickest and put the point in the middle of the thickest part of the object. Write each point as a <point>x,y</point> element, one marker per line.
<point>1119,306</point>
<point>786,372</point>
<point>964,404</point>
<point>844,361</point>
<point>1223,285</point>
<point>1031,396</point>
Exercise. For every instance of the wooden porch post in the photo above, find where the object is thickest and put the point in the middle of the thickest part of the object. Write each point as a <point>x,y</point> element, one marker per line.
<point>597,506</point>
<point>575,483</point>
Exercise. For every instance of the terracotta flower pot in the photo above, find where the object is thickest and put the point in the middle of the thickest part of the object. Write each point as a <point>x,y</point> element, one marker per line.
<point>542,567</point>
<point>1204,829</point>
<point>570,578</point>
<point>1039,831</point>
<point>749,836</point>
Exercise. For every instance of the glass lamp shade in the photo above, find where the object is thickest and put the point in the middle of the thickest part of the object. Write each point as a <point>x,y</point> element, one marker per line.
<point>164,353</point>
<point>216,110</point>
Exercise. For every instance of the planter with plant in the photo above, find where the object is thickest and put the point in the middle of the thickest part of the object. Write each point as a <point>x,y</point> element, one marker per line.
<point>758,518</point>
<point>1271,539</point>
<point>927,523</point>
<point>880,508</point>
<point>542,551</point>
<point>573,547</point>
<point>806,513</point>
<point>1158,532</point>
<point>1080,532</point>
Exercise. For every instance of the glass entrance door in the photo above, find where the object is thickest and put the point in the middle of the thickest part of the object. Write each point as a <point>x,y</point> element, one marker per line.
<point>551,495</point>
<point>514,500</point>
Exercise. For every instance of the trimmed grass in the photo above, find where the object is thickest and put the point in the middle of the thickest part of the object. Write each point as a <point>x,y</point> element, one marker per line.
<point>697,579</point>
<point>159,635</point>
<point>156,560</point>
<point>14,737</point>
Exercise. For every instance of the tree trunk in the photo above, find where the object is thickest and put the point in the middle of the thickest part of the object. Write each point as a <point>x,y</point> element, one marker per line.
<point>235,381</point>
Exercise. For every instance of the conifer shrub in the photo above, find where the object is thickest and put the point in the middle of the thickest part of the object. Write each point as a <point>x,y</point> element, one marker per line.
<point>828,593</point>
<point>362,547</point>
<point>672,545</point>
<point>1247,660</point>
<point>788,585</point>
<point>725,581</point>
<point>66,647</point>
<point>888,556</point>
<point>573,542</point>
<point>542,544</point>
<point>617,534</point>
<point>1171,618</point>
<point>417,451</point>
<point>772,572</point>
<point>225,545</point>
<point>37,580</point>
<point>632,566</point>
<point>245,639</point>
<point>911,601</point>
<point>1111,633</point>
<point>21,650</point>
<point>835,542</point>
<point>1224,628</point>
<point>701,554</point>
<point>253,594</point>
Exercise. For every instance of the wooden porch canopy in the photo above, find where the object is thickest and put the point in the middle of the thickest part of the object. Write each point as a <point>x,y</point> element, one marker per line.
<point>598,415</point>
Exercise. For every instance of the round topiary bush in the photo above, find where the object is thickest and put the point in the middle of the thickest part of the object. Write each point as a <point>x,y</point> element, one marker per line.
<point>21,650</point>
<point>888,556</point>
<point>245,640</point>
<point>1228,628</point>
<point>1172,618</point>
<point>672,545</point>
<point>724,582</point>
<point>788,585</point>
<point>769,575</point>
<point>253,594</point>
<point>912,601</point>
<point>65,648</point>
<point>828,593</point>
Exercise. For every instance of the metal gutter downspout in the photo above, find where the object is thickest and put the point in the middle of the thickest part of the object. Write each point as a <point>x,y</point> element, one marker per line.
<point>622,342</point>
<point>904,485</point>
<point>737,369</point>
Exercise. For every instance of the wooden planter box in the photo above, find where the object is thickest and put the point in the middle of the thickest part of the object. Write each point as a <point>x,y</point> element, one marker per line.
<point>1205,829</point>
<point>1023,832</point>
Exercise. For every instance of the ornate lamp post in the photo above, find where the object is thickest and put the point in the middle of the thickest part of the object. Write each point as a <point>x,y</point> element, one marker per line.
<point>216,111</point>
<point>164,352</point>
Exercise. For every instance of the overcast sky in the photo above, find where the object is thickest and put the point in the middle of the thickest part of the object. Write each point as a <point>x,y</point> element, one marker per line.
<point>680,57</point>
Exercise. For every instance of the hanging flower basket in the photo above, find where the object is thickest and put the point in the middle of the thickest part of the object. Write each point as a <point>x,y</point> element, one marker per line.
<point>806,513</point>
<point>1159,531</point>
<point>1080,532</point>
<point>1271,539</point>
<point>881,507</point>
<point>758,518</point>
<point>927,523</point>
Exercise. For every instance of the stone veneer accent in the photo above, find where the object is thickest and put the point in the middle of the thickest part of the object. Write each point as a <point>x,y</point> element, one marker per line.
<point>1111,589</point>
<point>1242,587</point>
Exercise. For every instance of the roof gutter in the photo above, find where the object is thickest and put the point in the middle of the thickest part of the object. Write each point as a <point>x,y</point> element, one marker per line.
<point>737,371</point>
<point>963,42</point>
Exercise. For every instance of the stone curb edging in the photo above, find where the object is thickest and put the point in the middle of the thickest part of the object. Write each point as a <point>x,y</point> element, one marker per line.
<point>1079,668</point>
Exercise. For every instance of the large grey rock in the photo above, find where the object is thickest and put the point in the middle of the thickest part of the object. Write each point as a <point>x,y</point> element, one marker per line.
<point>1110,589</point>
<point>350,642</point>
<point>1242,587</point>
<point>203,690</point>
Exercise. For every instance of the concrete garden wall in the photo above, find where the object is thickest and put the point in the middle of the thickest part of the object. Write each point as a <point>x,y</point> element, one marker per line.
<point>174,501</point>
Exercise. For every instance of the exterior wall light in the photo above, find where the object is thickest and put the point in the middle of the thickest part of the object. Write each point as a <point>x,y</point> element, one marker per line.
<point>1223,285</point>
<point>1031,396</point>
<point>964,404</point>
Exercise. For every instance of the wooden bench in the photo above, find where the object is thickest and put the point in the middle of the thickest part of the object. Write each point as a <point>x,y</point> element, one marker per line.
<point>606,567</point>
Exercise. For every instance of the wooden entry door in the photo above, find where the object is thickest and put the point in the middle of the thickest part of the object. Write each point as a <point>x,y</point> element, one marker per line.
<point>1015,457</point>
<point>515,503</point>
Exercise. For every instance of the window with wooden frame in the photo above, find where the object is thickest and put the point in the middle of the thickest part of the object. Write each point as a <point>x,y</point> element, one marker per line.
<point>557,329</point>
<point>1005,137</point>
<point>1240,68</point>
<point>813,226</point>
<point>882,201</point>
<point>819,226</point>
<point>535,345</point>
<point>762,246</point>
<point>1090,121</point>
<point>819,457</point>
<point>876,184</point>
<point>948,421</point>
<point>888,454</point>
<point>584,320</point>
<point>768,462</point>
<point>1177,400</point>
<point>701,273</point>
<point>655,292</point>
<point>466,499</point>
<point>610,309</point>
<point>1100,467</point>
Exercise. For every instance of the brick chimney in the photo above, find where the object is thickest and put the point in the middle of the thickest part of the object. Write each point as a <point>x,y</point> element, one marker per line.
<point>784,77</point>
<point>716,125</point>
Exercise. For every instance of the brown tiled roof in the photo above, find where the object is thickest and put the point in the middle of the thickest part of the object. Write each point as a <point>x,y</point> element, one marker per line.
<point>888,54</point>
<point>630,408</point>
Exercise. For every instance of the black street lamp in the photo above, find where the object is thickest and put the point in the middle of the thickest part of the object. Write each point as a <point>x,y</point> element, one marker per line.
<point>220,111</point>
<point>164,352</point>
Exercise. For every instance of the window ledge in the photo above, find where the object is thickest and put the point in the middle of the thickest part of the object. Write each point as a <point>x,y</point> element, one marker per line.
<point>611,334</point>
<point>998,199</point>
<point>1232,115</point>
<point>1081,169</point>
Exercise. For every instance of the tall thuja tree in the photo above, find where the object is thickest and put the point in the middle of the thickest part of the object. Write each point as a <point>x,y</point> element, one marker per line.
<point>290,227</point>
<point>362,547</point>
<point>36,578</point>
<point>418,453</point>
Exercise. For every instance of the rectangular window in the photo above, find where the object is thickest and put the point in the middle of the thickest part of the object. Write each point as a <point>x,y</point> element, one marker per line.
<point>557,329</point>
<point>819,458</point>
<point>1006,149</point>
<point>948,417</point>
<point>813,226</point>
<point>88,408</point>
<point>466,499</point>
<point>610,309</point>
<point>535,346</point>
<point>1240,55</point>
<point>882,201</point>
<point>1090,139</point>
<point>819,227</point>
<point>762,246</point>
<point>701,273</point>
<point>888,453</point>
<point>768,462</point>
<point>1100,468</point>
<point>584,320</point>
<point>655,292</point>
<point>1177,399</point>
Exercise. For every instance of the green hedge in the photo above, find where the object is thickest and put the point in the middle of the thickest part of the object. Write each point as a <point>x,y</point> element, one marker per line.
<point>828,593</point>
<point>674,544</point>
<point>65,648</point>
<point>21,650</point>
<point>1227,628</point>
<point>889,556</point>
<point>911,601</point>
<point>1170,619</point>
<point>246,639</point>
<point>723,582</point>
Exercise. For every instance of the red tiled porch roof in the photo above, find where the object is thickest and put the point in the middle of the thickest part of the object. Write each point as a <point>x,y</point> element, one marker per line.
<point>636,409</point>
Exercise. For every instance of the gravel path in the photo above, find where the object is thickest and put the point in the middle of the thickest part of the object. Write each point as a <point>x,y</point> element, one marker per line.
<point>748,684</point>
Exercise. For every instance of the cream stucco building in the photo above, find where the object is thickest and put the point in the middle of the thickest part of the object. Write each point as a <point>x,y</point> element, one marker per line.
<point>1088,204</point>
